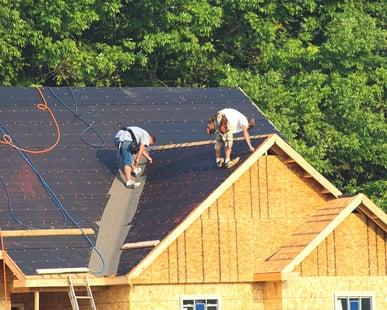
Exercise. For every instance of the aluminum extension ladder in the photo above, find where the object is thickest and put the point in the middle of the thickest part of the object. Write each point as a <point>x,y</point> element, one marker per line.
<point>74,298</point>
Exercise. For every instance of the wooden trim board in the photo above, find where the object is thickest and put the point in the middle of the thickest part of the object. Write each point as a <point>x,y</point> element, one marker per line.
<point>139,245</point>
<point>46,232</point>
<point>62,270</point>
<point>12,265</point>
<point>197,143</point>
<point>42,282</point>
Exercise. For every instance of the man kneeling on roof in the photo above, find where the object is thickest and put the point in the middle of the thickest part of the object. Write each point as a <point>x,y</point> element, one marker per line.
<point>131,143</point>
<point>224,125</point>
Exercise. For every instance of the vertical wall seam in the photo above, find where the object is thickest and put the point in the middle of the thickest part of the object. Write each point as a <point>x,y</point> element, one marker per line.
<point>259,191</point>
<point>334,250</point>
<point>326,254</point>
<point>236,248</point>
<point>169,267</point>
<point>318,261</point>
<point>385,252</point>
<point>251,196</point>
<point>267,187</point>
<point>368,247</point>
<point>219,252</point>
<point>202,244</point>
<point>177,260</point>
<point>185,257</point>
<point>376,249</point>
<point>233,199</point>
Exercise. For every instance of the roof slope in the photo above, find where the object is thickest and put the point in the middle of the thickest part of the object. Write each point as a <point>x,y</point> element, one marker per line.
<point>177,183</point>
<point>81,174</point>
<point>315,229</point>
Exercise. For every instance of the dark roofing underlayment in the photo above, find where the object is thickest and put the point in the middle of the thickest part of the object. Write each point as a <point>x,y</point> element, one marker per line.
<point>177,183</point>
<point>80,174</point>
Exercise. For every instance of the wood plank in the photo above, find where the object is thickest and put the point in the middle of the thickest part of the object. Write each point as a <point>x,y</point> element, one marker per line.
<point>34,282</point>
<point>197,143</point>
<point>36,300</point>
<point>62,270</point>
<point>141,244</point>
<point>46,232</point>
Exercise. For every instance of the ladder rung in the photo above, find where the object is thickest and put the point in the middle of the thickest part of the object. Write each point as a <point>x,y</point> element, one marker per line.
<point>82,297</point>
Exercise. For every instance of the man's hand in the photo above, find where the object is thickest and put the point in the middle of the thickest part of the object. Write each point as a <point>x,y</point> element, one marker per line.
<point>150,160</point>
<point>251,149</point>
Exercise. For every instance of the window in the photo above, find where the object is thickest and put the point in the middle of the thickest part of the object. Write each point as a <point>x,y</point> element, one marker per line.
<point>354,301</point>
<point>199,303</point>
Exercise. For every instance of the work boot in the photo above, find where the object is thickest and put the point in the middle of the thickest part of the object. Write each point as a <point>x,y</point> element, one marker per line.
<point>220,162</point>
<point>136,171</point>
<point>132,184</point>
<point>232,162</point>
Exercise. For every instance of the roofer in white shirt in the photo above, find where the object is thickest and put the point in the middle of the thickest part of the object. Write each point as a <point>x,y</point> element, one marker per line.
<point>224,124</point>
<point>131,143</point>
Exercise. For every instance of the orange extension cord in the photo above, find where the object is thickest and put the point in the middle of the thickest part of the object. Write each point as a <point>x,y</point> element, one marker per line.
<point>7,139</point>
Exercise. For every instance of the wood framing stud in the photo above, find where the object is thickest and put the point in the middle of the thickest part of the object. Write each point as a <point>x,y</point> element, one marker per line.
<point>46,232</point>
<point>36,300</point>
<point>139,245</point>
<point>62,270</point>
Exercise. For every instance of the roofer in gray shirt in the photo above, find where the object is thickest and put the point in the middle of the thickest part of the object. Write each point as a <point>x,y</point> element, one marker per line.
<point>131,143</point>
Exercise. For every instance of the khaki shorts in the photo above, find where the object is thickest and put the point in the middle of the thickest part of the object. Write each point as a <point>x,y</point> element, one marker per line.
<point>226,138</point>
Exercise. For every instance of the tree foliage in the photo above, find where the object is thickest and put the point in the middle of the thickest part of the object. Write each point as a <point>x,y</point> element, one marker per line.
<point>316,68</point>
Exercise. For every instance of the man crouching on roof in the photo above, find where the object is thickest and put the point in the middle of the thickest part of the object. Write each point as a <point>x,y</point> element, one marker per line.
<point>131,143</point>
<point>224,124</point>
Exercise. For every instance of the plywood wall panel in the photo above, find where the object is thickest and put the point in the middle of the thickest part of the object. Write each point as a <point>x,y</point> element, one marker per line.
<point>173,267</point>
<point>381,250</point>
<point>211,250</point>
<point>194,252</point>
<point>246,225</point>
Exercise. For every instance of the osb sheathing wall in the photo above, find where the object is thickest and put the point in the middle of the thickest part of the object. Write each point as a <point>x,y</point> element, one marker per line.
<point>317,293</point>
<point>357,247</point>
<point>241,296</point>
<point>5,299</point>
<point>106,298</point>
<point>241,229</point>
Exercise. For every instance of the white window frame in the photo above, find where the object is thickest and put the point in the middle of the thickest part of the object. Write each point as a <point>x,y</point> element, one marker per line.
<point>194,297</point>
<point>353,294</point>
<point>18,306</point>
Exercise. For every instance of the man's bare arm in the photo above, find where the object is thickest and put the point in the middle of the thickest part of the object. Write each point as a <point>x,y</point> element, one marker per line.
<point>247,138</point>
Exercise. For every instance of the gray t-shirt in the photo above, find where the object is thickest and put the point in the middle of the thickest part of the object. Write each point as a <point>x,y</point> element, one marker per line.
<point>142,136</point>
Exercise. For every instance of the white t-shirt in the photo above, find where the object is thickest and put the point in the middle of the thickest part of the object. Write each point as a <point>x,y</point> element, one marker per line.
<point>235,119</point>
<point>142,136</point>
